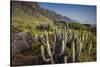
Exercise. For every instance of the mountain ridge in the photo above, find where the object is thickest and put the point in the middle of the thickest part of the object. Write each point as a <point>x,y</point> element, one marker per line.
<point>33,9</point>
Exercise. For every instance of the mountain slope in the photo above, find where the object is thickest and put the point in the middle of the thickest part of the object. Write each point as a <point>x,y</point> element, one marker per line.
<point>34,10</point>
<point>26,15</point>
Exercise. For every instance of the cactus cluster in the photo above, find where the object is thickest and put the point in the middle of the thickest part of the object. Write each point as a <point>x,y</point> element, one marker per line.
<point>56,49</point>
<point>62,45</point>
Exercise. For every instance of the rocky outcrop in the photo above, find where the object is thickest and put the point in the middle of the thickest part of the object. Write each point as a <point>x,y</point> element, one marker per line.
<point>21,42</point>
<point>21,49</point>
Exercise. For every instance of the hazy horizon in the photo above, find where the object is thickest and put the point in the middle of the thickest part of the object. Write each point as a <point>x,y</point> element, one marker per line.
<point>85,14</point>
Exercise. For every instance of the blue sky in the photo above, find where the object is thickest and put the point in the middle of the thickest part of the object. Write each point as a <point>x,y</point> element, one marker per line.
<point>83,13</point>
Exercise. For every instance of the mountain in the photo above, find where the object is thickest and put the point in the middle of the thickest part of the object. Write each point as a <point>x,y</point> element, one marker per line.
<point>34,10</point>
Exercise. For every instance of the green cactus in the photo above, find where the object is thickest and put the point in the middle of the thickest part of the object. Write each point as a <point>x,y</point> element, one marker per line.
<point>49,53</point>
<point>48,45</point>
<point>65,59</point>
<point>43,54</point>
<point>77,39</point>
<point>90,47</point>
<point>36,38</point>
<point>73,49</point>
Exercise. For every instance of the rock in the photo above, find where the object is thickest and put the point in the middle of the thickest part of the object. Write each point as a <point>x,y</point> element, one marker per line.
<point>22,41</point>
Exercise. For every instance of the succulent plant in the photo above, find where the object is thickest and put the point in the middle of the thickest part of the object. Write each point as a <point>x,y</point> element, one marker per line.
<point>60,39</point>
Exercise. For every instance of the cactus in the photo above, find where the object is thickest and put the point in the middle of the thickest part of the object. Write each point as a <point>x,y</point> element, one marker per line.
<point>67,45</point>
<point>48,45</point>
<point>90,47</point>
<point>59,46</point>
<point>73,49</point>
<point>65,59</point>
<point>49,52</point>
<point>43,54</point>
<point>69,36</point>
<point>62,48</point>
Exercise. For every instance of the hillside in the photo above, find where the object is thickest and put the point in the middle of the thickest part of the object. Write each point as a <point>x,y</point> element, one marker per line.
<point>27,14</point>
<point>34,10</point>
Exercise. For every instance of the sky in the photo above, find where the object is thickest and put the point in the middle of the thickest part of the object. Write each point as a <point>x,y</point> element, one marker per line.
<point>85,14</point>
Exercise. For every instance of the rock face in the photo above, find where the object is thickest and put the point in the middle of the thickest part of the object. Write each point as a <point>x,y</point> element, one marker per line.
<point>33,9</point>
<point>22,41</point>
<point>22,53</point>
<point>21,48</point>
